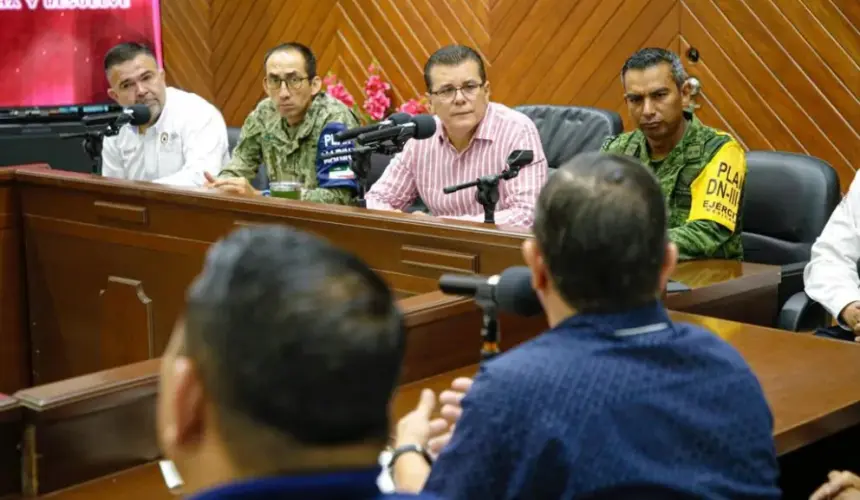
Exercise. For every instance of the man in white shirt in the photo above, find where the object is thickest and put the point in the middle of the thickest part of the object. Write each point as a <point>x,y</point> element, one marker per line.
<point>831,277</point>
<point>185,137</point>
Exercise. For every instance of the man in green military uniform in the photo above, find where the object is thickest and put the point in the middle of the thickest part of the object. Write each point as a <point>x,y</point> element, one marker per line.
<point>702,170</point>
<point>289,129</point>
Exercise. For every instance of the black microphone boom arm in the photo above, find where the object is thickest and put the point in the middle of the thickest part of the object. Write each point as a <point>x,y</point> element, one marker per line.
<point>488,186</point>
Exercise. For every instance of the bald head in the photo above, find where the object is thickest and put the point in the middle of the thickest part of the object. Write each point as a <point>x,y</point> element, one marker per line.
<point>600,224</point>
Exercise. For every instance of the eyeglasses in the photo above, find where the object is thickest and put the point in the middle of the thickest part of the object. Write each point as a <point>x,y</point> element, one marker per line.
<point>469,90</point>
<point>274,82</point>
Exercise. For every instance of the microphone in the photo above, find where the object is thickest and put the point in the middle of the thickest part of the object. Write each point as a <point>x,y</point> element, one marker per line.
<point>419,127</point>
<point>137,114</point>
<point>511,291</point>
<point>395,119</point>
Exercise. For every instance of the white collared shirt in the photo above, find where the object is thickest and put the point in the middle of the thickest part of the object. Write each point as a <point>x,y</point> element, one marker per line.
<point>188,138</point>
<point>831,277</point>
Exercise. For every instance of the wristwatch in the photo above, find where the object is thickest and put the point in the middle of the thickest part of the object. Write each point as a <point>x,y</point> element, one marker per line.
<point>409,448</point>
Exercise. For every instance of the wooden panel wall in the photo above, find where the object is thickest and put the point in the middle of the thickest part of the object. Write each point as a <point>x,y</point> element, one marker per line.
<point>778,74</point>
<point>781,74</point>
<point>185,34</point>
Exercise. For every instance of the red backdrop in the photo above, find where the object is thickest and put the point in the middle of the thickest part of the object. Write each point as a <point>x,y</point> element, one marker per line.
<point>53,49</point>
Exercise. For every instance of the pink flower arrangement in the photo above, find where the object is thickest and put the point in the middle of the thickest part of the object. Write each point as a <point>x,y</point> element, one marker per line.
<point>337,90</point>
<point>377,102</point>
<point>414,106</point>
<point>376,90</point>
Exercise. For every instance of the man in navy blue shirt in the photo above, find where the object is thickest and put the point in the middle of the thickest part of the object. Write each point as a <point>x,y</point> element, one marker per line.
<point>276,382</point>
<point>615,400</point>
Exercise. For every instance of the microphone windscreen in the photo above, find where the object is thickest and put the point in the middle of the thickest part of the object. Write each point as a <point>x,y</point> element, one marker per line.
<point>460,284</point>
<point>140,114</point>
<point>514,292</point>
<point>425,126</point>
<point>399,118</point>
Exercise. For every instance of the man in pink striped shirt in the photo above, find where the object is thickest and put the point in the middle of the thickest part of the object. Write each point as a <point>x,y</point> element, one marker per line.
<point>473,138</point>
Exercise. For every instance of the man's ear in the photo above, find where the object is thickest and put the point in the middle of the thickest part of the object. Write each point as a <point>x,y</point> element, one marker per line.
<point>188,402</point>
<point>686,93</point>
<point>316,85</point>
<point>534,260</point>
<point>430,103</point>
<point>670,262</point>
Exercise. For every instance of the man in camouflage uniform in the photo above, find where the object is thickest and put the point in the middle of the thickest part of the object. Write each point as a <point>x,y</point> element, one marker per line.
<point>289,129</point>
<point>702,170</point>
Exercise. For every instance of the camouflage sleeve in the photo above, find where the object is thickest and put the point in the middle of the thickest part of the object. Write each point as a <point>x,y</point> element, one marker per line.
<point>700,239</point>
<point>607,143</point>
<point>340,114</point>
<point>717,193</point>
<point>333,196</point>
<point>248,153</point>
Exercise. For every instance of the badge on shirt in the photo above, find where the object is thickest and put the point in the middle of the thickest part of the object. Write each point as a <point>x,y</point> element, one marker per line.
<point>170,142</point>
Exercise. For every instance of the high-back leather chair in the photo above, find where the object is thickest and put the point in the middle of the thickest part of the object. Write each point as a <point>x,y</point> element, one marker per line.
<point>378,163</point>
<point>788,198</point>
<point>262,179</point>
<point>233,134</point>
<point>566,131</point>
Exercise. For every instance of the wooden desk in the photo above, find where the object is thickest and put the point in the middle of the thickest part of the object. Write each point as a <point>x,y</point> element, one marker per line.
<point>77,429</point>
<point>10,437</point>
<point>143,482</point>
<point>88,426</point>
<point>810,384</point>
<point>732,290</point>
<point>104,256</point>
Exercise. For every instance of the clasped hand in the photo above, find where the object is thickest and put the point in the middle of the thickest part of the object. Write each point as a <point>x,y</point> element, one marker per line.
<point>851,316</point>
<point>230,185</point>
<point>419,427</point>
<point>840,485</point>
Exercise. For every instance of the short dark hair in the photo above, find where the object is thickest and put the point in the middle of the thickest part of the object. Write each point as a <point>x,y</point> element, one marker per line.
<point>304,50</point>
<point>125,52</point>
<point>652,56</point>
<point>452,55</point>
<point>600,223</point>
<point>294,338</point>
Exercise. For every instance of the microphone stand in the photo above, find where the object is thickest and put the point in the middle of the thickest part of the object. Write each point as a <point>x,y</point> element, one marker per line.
<point>490,337</point>
<point>93,142</point>
<point>488,185</point>
<point>488,190</point>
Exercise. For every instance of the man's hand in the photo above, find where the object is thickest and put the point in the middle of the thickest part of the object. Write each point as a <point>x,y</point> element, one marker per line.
<point>850,315</point>
<point>411,470</point>
<point>415,427</point>
<point>233,185</point>
<point>451,411</point>
<point>839,485</point>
